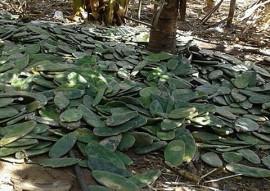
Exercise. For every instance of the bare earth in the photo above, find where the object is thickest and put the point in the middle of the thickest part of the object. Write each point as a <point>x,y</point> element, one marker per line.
<point>170,179</point>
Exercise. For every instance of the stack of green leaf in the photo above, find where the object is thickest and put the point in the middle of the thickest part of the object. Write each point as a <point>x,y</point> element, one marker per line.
<point>65,87</point>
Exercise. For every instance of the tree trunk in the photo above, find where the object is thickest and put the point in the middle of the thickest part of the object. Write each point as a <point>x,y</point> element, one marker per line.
<point>183,9</point>
<point>231,13</point>
<point>163,34</point>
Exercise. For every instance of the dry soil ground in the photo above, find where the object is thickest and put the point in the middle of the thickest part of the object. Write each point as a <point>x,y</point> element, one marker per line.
<point>170,179</point>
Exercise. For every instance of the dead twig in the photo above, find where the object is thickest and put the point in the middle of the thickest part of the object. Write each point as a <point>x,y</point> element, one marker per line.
<point>187,175</point>
<point>249,12</point>
<point>207,174</point>
<point>137,21</point>
<point>223,178</point>
<point>208,15</point>
<point>175,184</point>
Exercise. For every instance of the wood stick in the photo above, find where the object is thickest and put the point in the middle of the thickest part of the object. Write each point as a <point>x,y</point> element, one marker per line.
<point>137,21</point>
<point>187,175</point>
<point>222,178</point>
<point>208,15</point>
<point>207,174</point>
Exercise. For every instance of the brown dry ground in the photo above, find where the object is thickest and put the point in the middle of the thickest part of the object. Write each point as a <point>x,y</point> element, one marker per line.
<point>170,178</point>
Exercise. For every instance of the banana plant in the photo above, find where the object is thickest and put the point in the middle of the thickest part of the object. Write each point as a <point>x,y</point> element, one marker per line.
<point>77,6</point>
<point>110,12</point>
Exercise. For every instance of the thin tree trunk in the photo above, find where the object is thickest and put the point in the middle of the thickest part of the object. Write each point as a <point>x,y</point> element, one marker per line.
<point>183,9</point>
<point>163,33</point>
<point>231,13</point>
<point>139,10</point>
